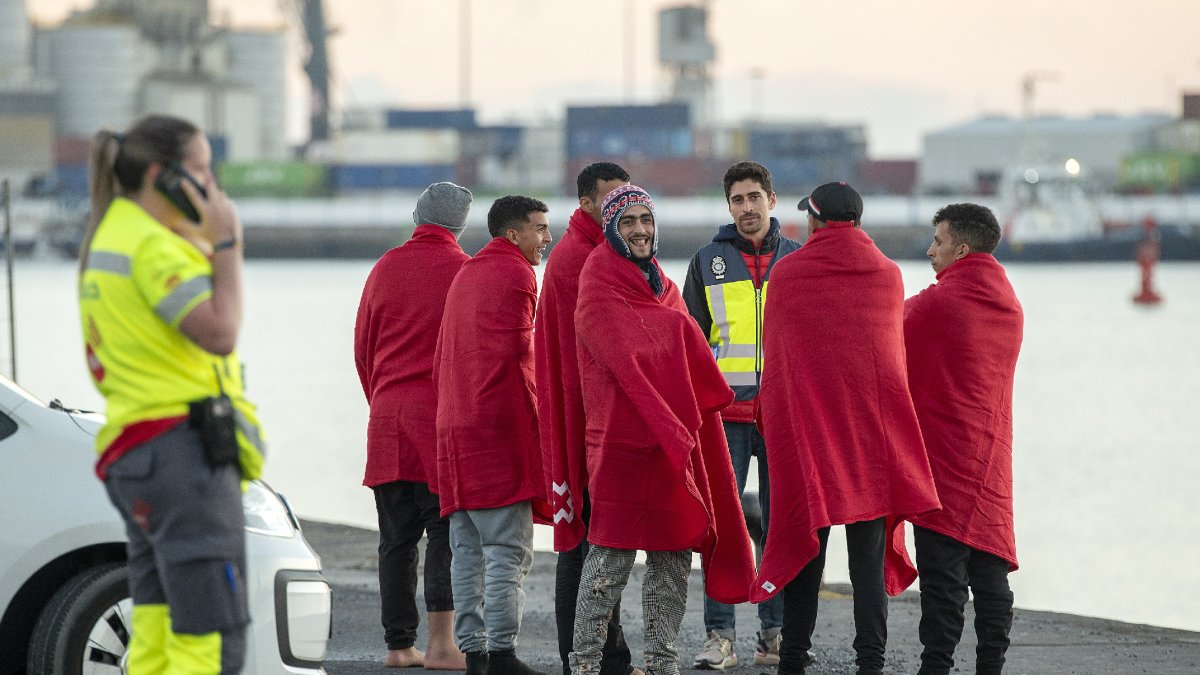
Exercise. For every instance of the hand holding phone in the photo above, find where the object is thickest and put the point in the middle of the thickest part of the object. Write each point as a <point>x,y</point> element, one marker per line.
<point>216,220</point>
<point>170,183</point>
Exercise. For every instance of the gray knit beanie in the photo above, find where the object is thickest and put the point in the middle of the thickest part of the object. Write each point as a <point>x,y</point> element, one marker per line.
<point>444,204</point>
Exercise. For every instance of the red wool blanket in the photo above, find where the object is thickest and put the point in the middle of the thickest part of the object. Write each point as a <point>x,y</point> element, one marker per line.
<point>395,335</point>
<point>659,467</point>
<point>487,435</point>
<point>963,336</point>
<point>560,400</point>
<point>842,438</point>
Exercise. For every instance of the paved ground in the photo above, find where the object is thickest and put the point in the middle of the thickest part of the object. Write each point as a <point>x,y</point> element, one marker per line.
<point>1042,642</point>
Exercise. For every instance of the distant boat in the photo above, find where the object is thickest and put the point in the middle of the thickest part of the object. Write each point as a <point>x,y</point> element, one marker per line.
<point>1049,214</point>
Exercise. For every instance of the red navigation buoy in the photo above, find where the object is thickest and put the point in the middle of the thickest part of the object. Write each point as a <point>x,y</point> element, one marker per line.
<point>1147,257</point>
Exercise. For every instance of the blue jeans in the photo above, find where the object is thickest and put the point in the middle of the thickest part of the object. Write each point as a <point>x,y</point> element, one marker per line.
<point>745,442</point>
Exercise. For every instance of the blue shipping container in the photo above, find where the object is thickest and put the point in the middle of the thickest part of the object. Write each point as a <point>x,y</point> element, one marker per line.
<point>349,177</point>
<point>806,142</point>
<point>667,115</point>
<point>631,142</point>
<point>462,119</point>
<point>72,180</point>
<point>220,149</point>
<point>503,140</point>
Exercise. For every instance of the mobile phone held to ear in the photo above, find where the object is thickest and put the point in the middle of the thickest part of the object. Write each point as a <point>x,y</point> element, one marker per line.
<point>168,183</point>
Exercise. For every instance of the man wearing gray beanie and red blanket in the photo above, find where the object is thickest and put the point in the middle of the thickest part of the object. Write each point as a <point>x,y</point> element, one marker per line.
<point>394,339</point>
<point>660,477</point>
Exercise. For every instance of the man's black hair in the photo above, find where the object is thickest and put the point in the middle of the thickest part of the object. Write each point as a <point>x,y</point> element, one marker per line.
<point>593,173</point>
<point>511,212</point>
<point>971,224</point>
<point>747,170</point>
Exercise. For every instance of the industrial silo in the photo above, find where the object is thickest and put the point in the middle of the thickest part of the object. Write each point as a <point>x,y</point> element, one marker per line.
<point>98,69</point>
<point>256,60</point>
<point>14,39</point>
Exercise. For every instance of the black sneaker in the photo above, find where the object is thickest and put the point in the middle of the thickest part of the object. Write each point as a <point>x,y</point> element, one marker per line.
<point>477,663</point>
<point>507,663</point>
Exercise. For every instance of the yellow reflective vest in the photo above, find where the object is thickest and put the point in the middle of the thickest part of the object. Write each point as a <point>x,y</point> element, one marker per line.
<point>139,283</point>
<point>735,306</point>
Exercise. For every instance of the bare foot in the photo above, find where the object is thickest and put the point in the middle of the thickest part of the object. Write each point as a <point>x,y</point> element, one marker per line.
<point>445,659</point>
<point>406,658</point>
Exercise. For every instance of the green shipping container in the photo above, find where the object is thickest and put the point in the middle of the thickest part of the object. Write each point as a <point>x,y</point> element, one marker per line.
<point>274,179</point>
<point>1160,170</point>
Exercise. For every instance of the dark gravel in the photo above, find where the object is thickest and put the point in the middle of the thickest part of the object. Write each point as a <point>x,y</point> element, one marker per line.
<point>1042,642</point>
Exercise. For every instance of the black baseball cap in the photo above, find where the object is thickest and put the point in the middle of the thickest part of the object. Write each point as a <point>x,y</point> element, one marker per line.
<point>836,202</point>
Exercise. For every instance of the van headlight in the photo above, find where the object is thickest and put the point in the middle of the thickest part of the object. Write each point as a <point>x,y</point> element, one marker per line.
<point>265,513</point>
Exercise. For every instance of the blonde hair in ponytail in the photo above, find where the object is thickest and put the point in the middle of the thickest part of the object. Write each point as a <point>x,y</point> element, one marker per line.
<point>102,185</point>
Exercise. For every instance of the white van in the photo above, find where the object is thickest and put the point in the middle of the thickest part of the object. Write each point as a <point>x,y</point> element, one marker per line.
<point>64,600</point>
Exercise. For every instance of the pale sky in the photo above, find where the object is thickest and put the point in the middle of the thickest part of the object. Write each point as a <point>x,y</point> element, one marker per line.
<point>902,68</point>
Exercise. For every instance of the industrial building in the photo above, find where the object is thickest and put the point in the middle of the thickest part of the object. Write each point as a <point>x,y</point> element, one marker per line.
<point>106,66</point>
<point>973,158</point>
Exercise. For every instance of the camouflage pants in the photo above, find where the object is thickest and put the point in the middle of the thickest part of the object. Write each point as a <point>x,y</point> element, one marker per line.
<point>664,595</point>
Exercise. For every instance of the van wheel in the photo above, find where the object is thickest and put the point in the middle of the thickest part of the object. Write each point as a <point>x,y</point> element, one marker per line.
<point>85,628</point>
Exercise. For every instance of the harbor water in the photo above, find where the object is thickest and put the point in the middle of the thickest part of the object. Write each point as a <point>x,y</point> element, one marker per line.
<point>1107,414</point>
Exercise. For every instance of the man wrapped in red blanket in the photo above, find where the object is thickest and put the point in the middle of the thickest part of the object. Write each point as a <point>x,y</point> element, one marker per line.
<point>843,444</point>
<point>395,336</point>
<point>963,336</point>
<point>489,461</point>
<point>560,410</point>
<point>660,478</point>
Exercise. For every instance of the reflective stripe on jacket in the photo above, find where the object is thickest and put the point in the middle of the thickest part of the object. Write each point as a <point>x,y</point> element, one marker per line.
<point>735,305</point>
<point>140,281</point>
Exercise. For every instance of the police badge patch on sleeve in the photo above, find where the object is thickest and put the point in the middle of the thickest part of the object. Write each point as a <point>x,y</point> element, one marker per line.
<point>718,266</point>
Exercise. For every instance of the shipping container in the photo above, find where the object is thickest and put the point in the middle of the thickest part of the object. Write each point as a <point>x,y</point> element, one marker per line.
<point>662,177</point>
<point>795,174</point>
<point>363,119</point>
<point>72,150</point>
<point>461,119</point>
<point>807,141</point>
<point>887,177</point>
<point>398,146</point>
<point>501,141</point>
<point>615,132</point>
<point>274,179</point>
<point>220,148</point>
<point>380,177</point>
<point>72,180</point>
<point>802,157</point>
<point>665,116</point>
<point>619,142</point>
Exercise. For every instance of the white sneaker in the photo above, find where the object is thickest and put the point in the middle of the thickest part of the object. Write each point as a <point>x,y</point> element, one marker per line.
<point>766,653</point>
<point>717,653</point>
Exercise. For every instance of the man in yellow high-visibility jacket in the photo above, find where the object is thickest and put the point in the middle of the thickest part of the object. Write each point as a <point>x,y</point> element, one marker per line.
<point>725,292</point>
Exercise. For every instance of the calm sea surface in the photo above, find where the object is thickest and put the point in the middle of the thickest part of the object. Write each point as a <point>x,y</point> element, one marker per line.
<point>1107,414</point>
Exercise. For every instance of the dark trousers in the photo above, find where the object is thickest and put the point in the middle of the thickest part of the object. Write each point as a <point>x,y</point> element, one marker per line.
<point>864,545</point>
<point>615,657</point>
<point>406,511</point>
<point>947,568</point>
